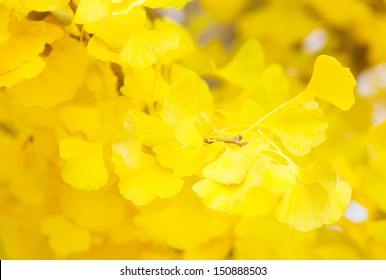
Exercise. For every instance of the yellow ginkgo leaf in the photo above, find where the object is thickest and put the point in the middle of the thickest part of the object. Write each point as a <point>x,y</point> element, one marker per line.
<point>258,201</point>
<point>85,168</point>
<point>27,41</point>
<point>147,181</point>
<point>278,85</point>
<point>156,131</point>
<point>129,141</point>
<point>19,55</point>
<point>300,126</point>
<point>145,85</point>
<point>84,120</point>
<point>232,166</point>
<point>99,49</point>
<point>121,7</point>
<point>183,225</point>
<point>186,161</point>
<point>218,196</point>
<point>319,199</point>
<point>186,133</point>
<point>92,10</point>
<point>128,146</point>
<point>144,46</point>
<point>115,31</point>
<point>26,70</point>
<point>246,67</point>
<point>191,94</point>
<point>186,45</point>
<point>279,178</point>
<point>320,171</point>
<point>186,104</point>
<point>140,129</point>
<point>332,82</point>
<point>60,79</point>
<point>247,199</point>
<point>64,237</point>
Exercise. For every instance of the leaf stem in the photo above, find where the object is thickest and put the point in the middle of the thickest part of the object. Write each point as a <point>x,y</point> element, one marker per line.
<point>270,113</point>
<point>278,151</point>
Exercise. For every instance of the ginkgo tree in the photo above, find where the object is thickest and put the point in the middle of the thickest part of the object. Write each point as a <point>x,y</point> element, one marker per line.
<point>126,134</point>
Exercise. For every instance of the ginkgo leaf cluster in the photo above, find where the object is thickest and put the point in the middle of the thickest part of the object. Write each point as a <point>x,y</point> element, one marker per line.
<point>128,134</point>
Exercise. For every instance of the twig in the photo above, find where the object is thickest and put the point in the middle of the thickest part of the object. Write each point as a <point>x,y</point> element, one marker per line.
<point>235,140</point>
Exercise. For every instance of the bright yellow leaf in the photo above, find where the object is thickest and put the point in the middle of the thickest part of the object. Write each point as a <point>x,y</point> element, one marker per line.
<point>278,85</point>
<point>332,82</point>
<point>27,41</point>
<point>99,49</point>
<point>84,120</point>
<point>85,167</point>
<point>26,70</point>
<point>247,199</point>
<point>279,178</point>
<point>187,101</point>
<point>92,10</point>
<point>60,79</point>
<point>232,166</point>
<point>186,44</point>
<point>144,46</point>
<point>258,201</point>
<point>116,30</point>
<point>145,85</point>
<point>317,198</point>
<point>19,55</point>
<point>128,146</point>
<point>246,67</point>
<point>140,129</point>
<point>144,183</point>
<point>299,126</point>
